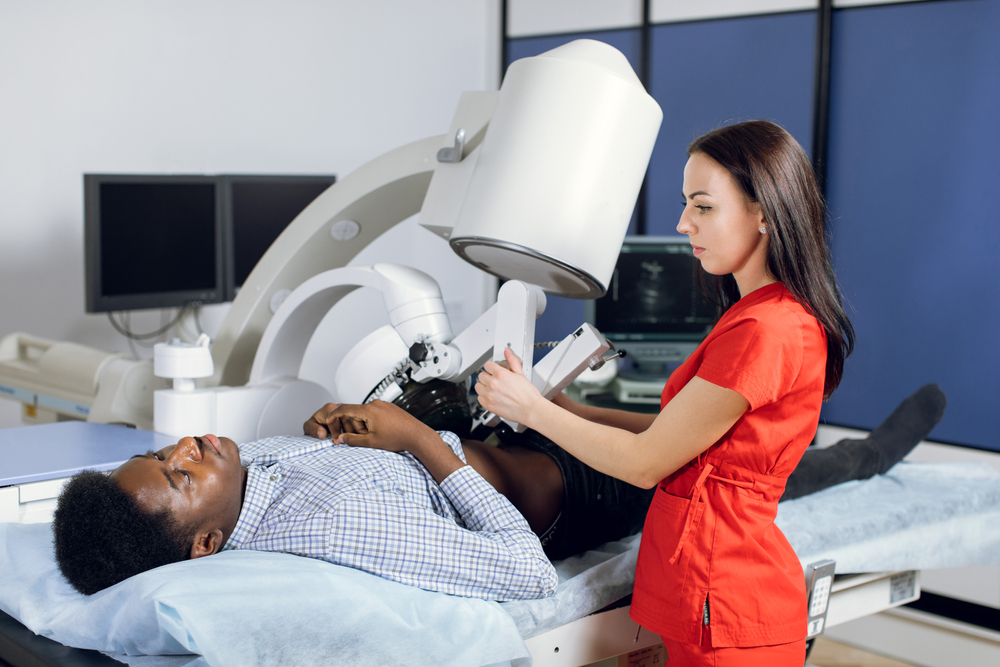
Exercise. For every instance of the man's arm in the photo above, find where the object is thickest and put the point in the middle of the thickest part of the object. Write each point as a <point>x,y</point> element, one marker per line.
<point>633,422</point>
<point>493,555</point>
<point>381,425</point>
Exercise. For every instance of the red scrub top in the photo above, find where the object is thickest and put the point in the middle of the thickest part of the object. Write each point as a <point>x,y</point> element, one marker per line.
<point>710,552</point>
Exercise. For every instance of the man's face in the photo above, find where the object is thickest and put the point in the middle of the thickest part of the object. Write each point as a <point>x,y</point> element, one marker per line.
<point>198,480</point>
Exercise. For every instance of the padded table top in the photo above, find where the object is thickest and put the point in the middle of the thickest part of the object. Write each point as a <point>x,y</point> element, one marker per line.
<point>62,449</point>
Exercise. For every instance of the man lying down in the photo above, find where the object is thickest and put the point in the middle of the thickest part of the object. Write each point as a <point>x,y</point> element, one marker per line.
<point>394,498</point>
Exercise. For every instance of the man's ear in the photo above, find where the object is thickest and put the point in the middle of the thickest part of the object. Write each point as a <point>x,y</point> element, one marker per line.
<point>206,544</point>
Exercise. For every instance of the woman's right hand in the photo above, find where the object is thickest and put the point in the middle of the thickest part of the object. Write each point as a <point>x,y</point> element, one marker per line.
<point>508,393</point>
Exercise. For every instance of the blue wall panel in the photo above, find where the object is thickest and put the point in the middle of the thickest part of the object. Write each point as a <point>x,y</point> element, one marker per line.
<point>711,73</point>
<point>561,315</point>
<point>913,189</point>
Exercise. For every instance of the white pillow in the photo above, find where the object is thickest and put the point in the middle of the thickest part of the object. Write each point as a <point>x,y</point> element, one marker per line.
<point>252,608</point>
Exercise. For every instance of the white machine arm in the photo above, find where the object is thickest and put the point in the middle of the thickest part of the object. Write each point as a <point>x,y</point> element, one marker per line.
<point>416,312</point>
<point>509,323</point>
<point>412,299</point>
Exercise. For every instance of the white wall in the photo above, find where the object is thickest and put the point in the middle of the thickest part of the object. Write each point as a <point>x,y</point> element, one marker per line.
<point>186,86</point>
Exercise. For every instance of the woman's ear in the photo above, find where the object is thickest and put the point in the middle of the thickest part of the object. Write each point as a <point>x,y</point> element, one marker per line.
<point>206,543</point>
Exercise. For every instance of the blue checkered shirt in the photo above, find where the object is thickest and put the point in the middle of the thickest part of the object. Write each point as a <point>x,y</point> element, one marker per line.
<point>383,513</point>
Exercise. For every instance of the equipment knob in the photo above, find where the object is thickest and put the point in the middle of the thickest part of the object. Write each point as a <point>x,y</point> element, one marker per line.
<point>418,352</point>
<point>600,361</point>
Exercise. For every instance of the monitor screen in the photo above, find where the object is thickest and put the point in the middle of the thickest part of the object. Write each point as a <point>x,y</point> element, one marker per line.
<point>157,241</point>
<point>152,241</point>
<point>654,308</point>
<point>259,208</point>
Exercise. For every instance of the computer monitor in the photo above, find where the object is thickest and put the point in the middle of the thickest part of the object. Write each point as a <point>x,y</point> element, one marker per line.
<point>258,209</point>
<point>654,308</point>
<point>167,241</point>
<point>152,241</point>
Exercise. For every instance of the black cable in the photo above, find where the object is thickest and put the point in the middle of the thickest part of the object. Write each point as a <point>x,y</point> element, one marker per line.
<point>125,331</point>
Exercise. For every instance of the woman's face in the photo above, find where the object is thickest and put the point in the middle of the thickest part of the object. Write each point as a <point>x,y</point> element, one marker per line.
<point>722,225</point>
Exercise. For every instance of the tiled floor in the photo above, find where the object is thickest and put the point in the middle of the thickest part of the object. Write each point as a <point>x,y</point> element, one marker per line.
<point>827,653</point>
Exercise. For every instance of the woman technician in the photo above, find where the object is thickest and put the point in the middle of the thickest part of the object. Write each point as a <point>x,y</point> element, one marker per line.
<point>715,576</point>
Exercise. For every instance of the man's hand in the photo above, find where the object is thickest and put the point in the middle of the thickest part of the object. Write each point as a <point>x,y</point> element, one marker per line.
<point>316,426</point>
<point>381,425</point>
<point>378,425</point>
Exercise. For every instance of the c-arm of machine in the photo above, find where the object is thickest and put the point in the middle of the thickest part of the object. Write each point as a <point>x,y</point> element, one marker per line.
<point>537,188</point>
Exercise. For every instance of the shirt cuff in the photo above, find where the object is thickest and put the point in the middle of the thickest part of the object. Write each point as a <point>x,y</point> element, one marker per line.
<point>454,442</point>
<point>477,502</point>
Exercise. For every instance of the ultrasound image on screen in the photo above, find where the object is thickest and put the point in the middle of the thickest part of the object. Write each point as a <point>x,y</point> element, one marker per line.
<point>655,292</point>
<point>157,237</point>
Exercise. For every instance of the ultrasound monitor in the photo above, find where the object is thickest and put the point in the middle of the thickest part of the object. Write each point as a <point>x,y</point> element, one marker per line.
<point>152,241</point>
<point>654,308</point>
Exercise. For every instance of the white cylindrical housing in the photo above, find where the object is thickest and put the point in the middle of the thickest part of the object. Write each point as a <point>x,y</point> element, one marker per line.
<point>413,300</point>
<point>183,413</point>
<point>559,171</point>
<point>183,360</point>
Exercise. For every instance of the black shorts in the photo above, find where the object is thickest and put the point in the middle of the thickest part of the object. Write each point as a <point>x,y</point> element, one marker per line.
<point>596,508</point>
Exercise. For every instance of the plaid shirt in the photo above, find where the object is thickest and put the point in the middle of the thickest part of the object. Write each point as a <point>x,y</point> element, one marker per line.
<point>383,513</point>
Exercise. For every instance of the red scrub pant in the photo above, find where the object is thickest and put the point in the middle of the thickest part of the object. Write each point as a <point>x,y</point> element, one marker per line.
<point>782,655</point>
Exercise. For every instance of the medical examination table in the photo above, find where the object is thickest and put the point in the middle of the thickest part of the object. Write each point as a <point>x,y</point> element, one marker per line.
<point>241,608</point>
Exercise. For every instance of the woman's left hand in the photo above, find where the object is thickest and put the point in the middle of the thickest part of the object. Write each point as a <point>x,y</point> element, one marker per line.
<point>508,393</point>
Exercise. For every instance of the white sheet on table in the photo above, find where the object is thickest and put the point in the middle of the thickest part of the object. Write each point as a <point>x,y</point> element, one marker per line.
<point>918,516</point>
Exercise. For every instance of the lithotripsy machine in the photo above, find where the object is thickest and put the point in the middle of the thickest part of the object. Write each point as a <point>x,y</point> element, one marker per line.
<point>536,185</point>
<point>542,199</point>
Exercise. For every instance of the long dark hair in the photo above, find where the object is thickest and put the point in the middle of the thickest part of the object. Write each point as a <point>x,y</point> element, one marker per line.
<point>771,168</point>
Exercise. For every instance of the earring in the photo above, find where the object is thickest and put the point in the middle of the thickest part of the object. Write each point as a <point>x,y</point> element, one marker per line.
<point>763,230</point>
